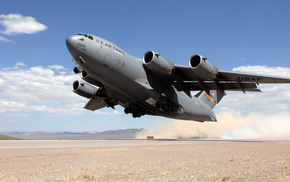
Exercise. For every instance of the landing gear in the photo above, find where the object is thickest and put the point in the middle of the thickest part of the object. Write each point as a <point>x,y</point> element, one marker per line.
<point>167,107</point>
<point>135,110</point>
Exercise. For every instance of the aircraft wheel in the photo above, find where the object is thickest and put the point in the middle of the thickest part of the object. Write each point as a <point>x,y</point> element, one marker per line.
<point>135,108</point>
<point>158,105</point>
<point>175,109</point>
<point>126,111</point>
<point>165,107</point>
<point>134,114</point>
<point>142,112</point>
<point>171,111</point>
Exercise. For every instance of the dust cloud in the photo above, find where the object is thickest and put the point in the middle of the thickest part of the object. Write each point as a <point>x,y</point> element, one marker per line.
<point>231,125</point>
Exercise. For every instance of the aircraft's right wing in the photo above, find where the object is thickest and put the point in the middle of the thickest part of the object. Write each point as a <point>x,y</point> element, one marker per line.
<point>187,74</point>
<point>187,80</point>
<point>243,77</point>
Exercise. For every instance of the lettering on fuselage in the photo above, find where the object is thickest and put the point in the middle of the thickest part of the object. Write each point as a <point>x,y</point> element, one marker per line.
<point>116,49</point>
<point>81,46</point>
<point>249,79</point>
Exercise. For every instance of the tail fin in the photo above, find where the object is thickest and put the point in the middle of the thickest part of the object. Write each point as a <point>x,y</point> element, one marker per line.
<point>212,98</point>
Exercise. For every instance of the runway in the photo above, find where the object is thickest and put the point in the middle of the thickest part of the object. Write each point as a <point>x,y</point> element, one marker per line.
<point>144,160</point>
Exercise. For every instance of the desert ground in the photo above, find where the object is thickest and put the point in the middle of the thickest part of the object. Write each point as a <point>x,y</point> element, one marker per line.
<point>144,160</point>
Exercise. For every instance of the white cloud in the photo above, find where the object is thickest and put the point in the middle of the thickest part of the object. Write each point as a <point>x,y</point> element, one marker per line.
<point>57,67</point>
<point>264,70</point>
<point>39,89</point>
<point>5,40</point>
<point>19,24</point>
<point>15,67</point>
<point>20,64</point>
<point>34,89</point>
<point>115,112</point>
<point>11,106</point>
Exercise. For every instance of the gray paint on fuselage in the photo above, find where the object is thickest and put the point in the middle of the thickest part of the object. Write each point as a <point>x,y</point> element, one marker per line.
<point>113,76</point>
<point>129,81</point>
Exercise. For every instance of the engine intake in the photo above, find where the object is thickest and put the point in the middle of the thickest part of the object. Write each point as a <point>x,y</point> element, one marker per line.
<point>158,63</point>
<point>85,76</point>
<point>203,67</point>
<point>78,69</point>
<point>84,89</point>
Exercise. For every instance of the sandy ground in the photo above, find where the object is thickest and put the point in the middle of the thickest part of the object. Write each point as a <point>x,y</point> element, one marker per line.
<point>144,160</point>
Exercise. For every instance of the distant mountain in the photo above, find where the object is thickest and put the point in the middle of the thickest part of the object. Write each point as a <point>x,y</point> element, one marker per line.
<point>5,137</point>
<point>105,135</point>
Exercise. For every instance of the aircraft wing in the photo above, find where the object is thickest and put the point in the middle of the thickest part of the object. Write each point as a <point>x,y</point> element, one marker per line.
<point>187,80</point>
<point>187,74</point>
<point>95,104</point>
<point>243,77</point>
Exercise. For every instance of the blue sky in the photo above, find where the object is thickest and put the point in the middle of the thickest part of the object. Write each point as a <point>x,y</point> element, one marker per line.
<point>35,67</point>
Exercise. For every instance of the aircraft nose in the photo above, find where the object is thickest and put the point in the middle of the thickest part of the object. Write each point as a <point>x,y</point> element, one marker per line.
<point>71,41</point>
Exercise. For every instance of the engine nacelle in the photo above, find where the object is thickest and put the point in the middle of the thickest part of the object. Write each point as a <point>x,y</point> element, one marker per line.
<point>84,89</point>
<point>157,63</point>
<point>85,76</point>
<point>203,67</point>
<point>78,69</point>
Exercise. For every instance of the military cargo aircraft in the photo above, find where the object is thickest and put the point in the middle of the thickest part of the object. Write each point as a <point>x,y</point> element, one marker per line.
<point>153,85</point>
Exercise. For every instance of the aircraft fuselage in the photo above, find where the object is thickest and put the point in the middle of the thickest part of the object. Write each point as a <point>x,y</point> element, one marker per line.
<point>131,84</point>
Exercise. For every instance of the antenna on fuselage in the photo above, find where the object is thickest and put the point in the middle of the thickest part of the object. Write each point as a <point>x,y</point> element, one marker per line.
<point>73,60</point>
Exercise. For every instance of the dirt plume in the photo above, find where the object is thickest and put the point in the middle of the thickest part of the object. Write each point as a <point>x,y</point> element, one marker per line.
<point>231,125</point>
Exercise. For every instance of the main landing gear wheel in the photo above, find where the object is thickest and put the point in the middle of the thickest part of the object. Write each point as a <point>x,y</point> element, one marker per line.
<point>135,110</point>
<point>166,107</point>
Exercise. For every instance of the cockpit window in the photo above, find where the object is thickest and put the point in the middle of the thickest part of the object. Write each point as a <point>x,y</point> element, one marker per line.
<point>86,35</point>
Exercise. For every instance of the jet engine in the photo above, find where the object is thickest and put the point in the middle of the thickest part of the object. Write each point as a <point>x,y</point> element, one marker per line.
<point>158,63</point>
<point>84,89</point>
<point>78,69</point>
<point>85,76</point>
<point>203,67</point>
